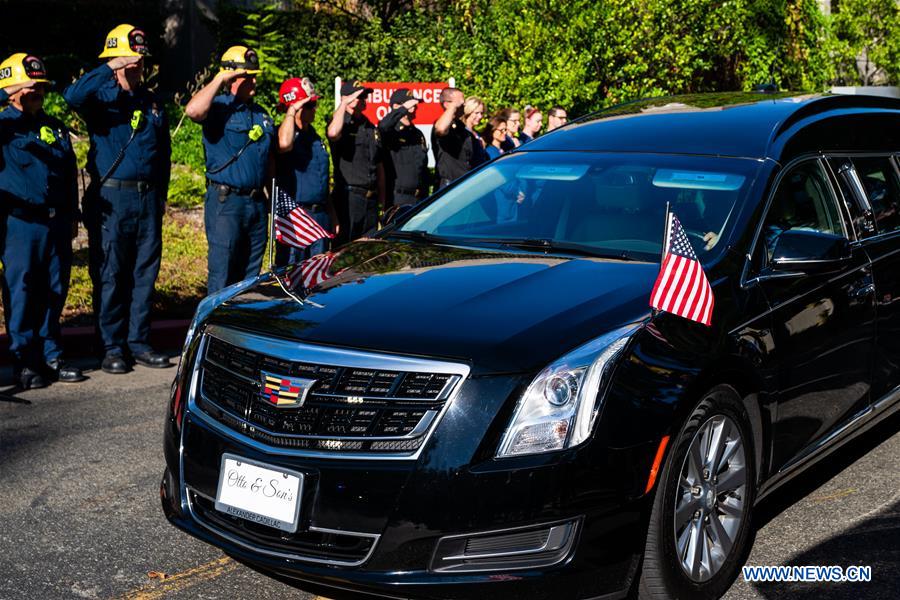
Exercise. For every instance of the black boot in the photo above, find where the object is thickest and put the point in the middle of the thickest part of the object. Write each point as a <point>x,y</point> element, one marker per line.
<point>152,359</point>
<point>115,364</point>
<point>66,373</point>
<point>30,379</point>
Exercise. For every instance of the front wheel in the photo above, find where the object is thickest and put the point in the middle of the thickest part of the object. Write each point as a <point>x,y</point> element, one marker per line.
<point>700,523</point>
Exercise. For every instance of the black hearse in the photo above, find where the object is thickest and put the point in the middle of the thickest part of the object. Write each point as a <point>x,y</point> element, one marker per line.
<point>478,402</point>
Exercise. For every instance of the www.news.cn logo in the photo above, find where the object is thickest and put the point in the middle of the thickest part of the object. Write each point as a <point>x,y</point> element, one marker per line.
<point>807,573</point>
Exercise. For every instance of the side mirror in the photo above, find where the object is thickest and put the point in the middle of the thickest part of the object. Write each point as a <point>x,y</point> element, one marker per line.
<point>809,251</point>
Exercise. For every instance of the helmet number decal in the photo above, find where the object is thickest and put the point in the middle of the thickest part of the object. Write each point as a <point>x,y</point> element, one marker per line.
<point>112,42</point>
<point>5,72</point>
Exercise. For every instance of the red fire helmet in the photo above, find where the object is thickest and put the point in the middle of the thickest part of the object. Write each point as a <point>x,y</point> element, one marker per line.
<point>295,89</point>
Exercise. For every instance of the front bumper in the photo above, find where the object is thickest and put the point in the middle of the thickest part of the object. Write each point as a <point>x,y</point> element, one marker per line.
<point>406,509</point>
<point>371,526</point>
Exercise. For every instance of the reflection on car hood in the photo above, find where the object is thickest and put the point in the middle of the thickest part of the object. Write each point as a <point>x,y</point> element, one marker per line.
<point>503,312</point>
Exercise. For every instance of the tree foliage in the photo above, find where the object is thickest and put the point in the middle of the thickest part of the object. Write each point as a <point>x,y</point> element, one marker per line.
<point>582,54</point>
<point>867,41</point>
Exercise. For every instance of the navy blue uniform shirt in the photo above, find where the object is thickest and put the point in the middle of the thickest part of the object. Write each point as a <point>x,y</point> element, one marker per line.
<point>36,169</point>
<point>225,131</point>
<point>108,109</point>
<point>303,172</point>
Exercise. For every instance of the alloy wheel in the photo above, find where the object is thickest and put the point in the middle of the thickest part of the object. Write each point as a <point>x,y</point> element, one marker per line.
<point>709,506</point>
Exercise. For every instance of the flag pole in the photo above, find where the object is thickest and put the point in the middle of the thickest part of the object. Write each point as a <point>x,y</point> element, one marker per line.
<point>272,242</point>
<point>665,243</point>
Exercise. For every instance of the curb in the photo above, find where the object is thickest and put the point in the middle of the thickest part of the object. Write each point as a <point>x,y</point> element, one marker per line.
<point>84,341</point>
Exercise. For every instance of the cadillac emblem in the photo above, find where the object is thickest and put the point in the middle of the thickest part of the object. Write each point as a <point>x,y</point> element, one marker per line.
<point>284,392</point>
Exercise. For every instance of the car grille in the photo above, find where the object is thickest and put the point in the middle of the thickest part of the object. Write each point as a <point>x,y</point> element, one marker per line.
<point>346,410</point>
<point>335,547</point>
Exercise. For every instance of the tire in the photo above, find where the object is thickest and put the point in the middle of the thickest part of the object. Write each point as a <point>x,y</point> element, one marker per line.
<point>674,566</point>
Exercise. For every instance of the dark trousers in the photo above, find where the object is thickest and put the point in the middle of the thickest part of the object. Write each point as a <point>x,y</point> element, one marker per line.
<point>37,262</point>
<point>237,232</point>
<point>357,213</point>
<point>125,235</point>
<point>291,255</point>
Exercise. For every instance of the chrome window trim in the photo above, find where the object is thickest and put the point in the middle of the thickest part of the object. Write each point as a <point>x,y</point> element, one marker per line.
<point>745,280</point>
<point>375,537</point>
<point>324,355</point>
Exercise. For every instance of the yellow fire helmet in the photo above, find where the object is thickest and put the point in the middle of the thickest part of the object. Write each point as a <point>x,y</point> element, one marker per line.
<point>241,57</point>
<point>22,68</point>
<point>125,40</point>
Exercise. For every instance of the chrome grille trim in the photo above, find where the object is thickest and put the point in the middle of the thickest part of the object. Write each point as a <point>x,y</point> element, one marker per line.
<point>262,550</point>
<point>309,353</point>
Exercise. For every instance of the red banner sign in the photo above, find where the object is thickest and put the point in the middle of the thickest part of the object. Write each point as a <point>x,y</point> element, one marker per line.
<point>378,103</point>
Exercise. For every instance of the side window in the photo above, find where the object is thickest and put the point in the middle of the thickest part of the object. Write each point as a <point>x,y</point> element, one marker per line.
<point>879,180</point>
<point>803,201</point>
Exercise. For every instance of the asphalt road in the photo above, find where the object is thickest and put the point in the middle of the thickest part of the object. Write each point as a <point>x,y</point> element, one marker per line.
<point>80,518</point>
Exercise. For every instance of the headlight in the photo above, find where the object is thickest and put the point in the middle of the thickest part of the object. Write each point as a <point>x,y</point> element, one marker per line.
<point>560,407</point>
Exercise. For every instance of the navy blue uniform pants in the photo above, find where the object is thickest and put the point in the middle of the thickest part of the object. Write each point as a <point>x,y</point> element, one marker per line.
<point>237,232</point>
<point>37,262</point>
<point>125,234</point>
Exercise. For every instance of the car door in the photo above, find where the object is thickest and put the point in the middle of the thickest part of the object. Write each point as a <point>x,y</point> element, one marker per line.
<point>873,184</point>
<point>822,314</point>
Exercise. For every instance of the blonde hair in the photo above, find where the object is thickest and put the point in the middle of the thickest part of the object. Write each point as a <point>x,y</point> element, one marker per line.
<point>471,105</point>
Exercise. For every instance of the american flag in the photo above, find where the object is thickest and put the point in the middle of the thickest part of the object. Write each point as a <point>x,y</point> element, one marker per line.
<point>293,225</point>
<point>311,272</point>
<point>682,288</point>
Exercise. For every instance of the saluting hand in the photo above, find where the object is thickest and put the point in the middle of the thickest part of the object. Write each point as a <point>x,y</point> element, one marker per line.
<point>120,62</point>
<point>411,103</point>
<point>296,106</point>
<point>348,99</point>
<point>10,90</point>
<point>229,76</point>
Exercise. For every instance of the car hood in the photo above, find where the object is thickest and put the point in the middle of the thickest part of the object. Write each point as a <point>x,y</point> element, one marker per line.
<point>500,312</point>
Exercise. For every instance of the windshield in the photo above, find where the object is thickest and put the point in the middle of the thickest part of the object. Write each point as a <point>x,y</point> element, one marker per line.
<point>596,204</point>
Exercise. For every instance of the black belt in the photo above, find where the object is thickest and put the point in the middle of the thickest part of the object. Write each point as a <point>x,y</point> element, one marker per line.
<point>368,191</point>
<point>227,190</point>
<point>417,192</point>
<point>314,207</point>
<point>128,184</point>
<point>33,213</point>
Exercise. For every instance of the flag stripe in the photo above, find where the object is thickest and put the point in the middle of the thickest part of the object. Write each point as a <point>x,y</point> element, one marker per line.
<point>681,287</point>
<point>293,225</point>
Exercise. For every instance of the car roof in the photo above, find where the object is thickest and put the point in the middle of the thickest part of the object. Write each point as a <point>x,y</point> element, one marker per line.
<point>739,124</point>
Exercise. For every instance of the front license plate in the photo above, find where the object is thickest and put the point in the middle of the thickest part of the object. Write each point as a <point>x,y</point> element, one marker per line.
<point>259,492</point>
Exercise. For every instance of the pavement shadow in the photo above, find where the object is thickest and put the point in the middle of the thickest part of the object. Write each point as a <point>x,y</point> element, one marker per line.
<point>875,541</point>
<point>813,478</point>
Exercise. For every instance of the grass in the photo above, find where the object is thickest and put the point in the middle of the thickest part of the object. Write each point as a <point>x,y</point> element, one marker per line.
<point>182,277</point>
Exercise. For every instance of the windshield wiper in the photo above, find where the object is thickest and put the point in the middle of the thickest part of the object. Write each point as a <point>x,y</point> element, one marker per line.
<point>419,235</point>
<point>548,246</point>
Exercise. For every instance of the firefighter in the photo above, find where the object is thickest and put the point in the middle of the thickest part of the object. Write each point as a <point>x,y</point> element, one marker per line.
<point>39,202</point>
<point>358,173</point>
<point>406,154</point>
<point>302,164</point>
<point>129,165</point>
<point>238,136</point>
